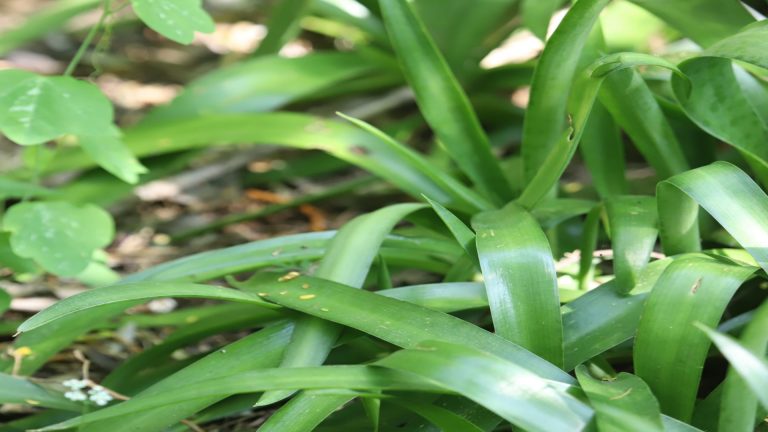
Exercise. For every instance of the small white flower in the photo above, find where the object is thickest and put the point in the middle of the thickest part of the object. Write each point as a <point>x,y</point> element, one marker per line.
<point>75,395</point>
<point>99,396</point>
<point>75,384</point>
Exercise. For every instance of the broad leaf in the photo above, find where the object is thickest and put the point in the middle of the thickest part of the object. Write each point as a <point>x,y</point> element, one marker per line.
<point>61,237</point>
<point>177,20</point>
<point>621,403</point>
<point>519,274</point>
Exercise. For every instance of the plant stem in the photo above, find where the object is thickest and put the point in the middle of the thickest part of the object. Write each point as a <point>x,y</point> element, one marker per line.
<point>89,38</point>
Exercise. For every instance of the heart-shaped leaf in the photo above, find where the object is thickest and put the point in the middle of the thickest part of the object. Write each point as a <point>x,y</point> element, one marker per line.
<point>41,109</point>
<point>60,236</point>
<point>177,20</point>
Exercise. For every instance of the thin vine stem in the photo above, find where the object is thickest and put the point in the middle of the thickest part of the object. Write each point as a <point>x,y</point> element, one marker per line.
<point>106,6</point>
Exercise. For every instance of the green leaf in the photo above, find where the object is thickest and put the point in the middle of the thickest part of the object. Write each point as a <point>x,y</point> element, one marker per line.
<point>461,232</point>
<point>305,411</point>
<point>537,14</point>
<point>5,301</point>
<point>23,391</point>
<point>738,406</point>
<point>352,13</point>
<point>605,316</point>
<point>43,21</point>
<point>283,25</point>
<point>10,188</point>
<point>218,385</point>
<point>347,260</point>
<point>603,153</point>
<point>502,386</point>
<point>442,101</point>
<point>392,320</point>
<point>446,420</point>
<point>61,237</point>
<point>520,279</point>
<point>752,368</point>
<point>465,35</point>
<point>725,192</point>
<point>747,45</point>
<point>428,169</point>
<point>41,109</point>
<point>413,251</point>
<point>177,20</point>
<point>131,375</point>
<point>9,259</point>
<point>551,85</point>
<point>261,84</point>
<point>669,351</point>
<point>256,352</point>
<point>396,164</point>
<point>128,293</point>
<point>46,341</point>
<point>704,21</point>
<point>622,403</point>
<point>632,104</point>
<point>111,154</point>
<point>717,104</point>
<point>633,227</point>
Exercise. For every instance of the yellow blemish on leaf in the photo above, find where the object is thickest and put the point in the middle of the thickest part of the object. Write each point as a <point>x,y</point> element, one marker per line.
<point>32,402</point>
<point>283,292</point>
<point>305,286</point>
<point>623,395</point>
<point>22,351</point>
<point>263,294</point>
<point>307,297</point>
<point>288,276</point>
<point>325,309</point>
<point>192,319</point>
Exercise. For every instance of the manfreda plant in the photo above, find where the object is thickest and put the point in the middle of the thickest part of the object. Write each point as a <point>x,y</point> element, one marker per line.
<point>628,354</point>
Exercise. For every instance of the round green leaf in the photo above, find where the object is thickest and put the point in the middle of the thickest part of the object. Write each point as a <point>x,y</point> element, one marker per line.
<point>60,236</point>
<point>39,109</point>
<point>177,20</point>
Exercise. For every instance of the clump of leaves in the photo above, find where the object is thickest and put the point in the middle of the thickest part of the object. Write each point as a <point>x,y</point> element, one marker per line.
<point>511,334</point>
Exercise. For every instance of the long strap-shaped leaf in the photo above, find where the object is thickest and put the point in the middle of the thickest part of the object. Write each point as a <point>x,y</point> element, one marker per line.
<point>752,368</point>
<point>621,403</point>
<point>511,391</point>
<point>704,21</point>
<point>442,101</point>
<point>605,316</point>
<point>283,25</point>
<point>725,192</point>
<point>738,406</point>
<point>228,383</point>
<point>519,275</point>
<point>347,260</point>
<point>717,102</point>
<point>633,106</point>
<point>399,165</point>
<point>20,390</point>
<point>283,250</point>
<point>392,320</point>
<point>603,153</point>
<point>669,351</point>
<point>257,351</point>
<point>551,85</point>
<point>47,340</point>
<point>129,293</point>
<point>633,221</point>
